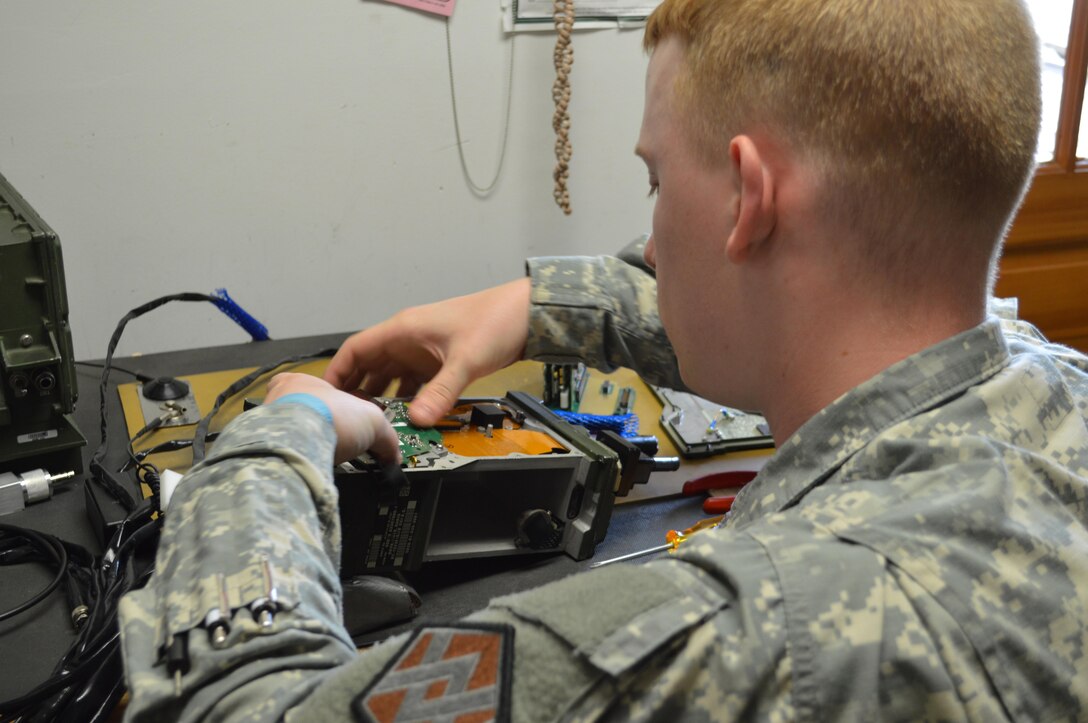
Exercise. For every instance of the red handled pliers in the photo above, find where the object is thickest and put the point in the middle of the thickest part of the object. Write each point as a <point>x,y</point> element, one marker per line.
<point>718,504</point>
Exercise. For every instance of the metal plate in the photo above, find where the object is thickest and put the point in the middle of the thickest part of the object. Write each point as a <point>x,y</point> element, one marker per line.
<point>189,411</point>
<point>701,428</point>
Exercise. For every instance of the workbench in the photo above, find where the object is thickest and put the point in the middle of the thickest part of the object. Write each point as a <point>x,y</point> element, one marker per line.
<point>33,641</point>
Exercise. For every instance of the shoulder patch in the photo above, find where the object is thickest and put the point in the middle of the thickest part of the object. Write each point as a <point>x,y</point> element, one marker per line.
<point>456,672</point>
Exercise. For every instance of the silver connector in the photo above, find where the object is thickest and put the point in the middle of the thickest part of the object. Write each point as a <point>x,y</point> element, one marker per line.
<point>80,615</point>
<point>19,490</point>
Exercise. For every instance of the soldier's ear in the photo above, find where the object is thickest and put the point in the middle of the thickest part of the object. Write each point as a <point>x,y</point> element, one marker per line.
<point>754,212</point>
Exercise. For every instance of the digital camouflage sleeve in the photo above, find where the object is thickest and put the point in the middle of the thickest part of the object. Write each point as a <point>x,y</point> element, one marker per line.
<point>918,550</point>
<point>601,310</point>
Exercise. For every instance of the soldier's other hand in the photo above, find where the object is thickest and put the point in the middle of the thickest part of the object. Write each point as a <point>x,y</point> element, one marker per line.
<point>360,425</point>
<point>435,351</point>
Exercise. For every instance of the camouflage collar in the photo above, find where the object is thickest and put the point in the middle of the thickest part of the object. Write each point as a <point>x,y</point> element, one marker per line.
<point>825,442</point>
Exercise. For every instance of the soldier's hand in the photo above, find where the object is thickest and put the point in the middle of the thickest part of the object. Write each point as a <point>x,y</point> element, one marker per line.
<point>360,425</point>
<point>435,351</point>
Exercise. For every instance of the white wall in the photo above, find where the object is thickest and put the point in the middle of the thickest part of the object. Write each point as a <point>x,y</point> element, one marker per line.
<point>301,154</point>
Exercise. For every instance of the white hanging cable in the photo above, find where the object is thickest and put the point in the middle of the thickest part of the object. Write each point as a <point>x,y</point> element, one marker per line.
<point>476,188</point>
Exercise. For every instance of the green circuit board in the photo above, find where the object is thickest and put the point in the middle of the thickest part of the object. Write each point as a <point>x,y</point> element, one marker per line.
<point>413,440</point>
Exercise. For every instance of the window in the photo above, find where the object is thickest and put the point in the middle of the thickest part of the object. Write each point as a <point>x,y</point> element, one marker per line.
<point>1046,256</point>
<point>1052,23</point>
<point>1063,33</point>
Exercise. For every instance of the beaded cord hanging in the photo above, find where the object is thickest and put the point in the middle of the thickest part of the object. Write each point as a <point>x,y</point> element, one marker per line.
<point>564,59</point>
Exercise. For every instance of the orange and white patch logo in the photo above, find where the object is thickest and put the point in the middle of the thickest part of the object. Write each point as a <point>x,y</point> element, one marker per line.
<point>454,673</point>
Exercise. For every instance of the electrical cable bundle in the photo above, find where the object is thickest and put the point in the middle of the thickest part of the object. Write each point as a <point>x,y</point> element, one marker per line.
<point>87,682</point>
<point>107,479</point>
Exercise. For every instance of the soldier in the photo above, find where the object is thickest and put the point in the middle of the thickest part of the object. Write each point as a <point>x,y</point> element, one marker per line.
<point>834,179</point>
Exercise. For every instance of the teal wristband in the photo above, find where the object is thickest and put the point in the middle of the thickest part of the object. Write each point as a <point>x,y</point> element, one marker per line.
<point>307,400</point>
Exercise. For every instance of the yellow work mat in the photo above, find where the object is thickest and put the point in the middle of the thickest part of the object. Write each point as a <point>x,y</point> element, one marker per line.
<point>525,376</point>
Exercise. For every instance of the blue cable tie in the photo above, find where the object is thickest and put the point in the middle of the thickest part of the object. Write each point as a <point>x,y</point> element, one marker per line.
<point>626,425</point>
<point>230,307</point>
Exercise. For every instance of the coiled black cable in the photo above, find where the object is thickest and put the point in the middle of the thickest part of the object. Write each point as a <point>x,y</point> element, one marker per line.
<point>94,586</point>
<point>23,545</point>
<point>87,681</point>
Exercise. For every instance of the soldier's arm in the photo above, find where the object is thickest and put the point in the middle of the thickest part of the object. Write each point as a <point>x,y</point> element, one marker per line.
<point>259,512</point>
<point>601,310</point>
<point>625,642</point>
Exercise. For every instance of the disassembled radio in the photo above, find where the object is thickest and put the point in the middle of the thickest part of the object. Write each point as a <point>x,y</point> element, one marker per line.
<point>496,477</point>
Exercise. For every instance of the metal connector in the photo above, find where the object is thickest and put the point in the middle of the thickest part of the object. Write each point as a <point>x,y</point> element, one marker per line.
<point>19,490</point>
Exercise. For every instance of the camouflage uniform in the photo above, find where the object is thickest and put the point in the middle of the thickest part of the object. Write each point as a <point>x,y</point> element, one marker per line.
<point>601,310</point>
<point>918,550</point>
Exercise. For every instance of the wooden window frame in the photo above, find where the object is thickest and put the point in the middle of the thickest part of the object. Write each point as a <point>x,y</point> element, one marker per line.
<point>1046,253</point>
<point>1054,208</point>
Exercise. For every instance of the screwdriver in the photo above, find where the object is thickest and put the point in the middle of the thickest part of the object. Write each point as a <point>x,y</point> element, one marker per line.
<point>673,540</point>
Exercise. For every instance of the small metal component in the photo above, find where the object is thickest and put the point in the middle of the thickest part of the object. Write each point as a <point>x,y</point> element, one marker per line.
<point>224,598</point>
<point>633,555</point>
<point>171,410</point>
<point>581,381</point>
<point>489,431</point>
<point>26,340</point>
<point>182,410</point>
<point>45,381</point>
<point>79,616</point>
<point>625,403</point>
<point>665,464</point>
<point>264,609</point>
<point>19,490</point>
<point>218,620</point>
<point>606,387</point>
<point>20,384</point>
<point>177,659</point>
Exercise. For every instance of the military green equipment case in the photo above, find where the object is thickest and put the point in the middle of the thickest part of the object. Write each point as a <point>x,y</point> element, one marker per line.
<point>37,373</point>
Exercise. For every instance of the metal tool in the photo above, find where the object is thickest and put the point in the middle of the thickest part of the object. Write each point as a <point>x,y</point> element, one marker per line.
<point>718,504</point>
<point>674,540</point>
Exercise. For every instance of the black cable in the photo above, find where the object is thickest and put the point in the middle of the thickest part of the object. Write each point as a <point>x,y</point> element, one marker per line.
<point>87,680</point>
<point>46,546</point>
<point>144,431</point>
<point>140,377</point>
<point>57,683</point>
<point>98,471</point>
<point>171,445</point>
<point>95,700</point>
<point>76,684</point>
<point>201,433</point>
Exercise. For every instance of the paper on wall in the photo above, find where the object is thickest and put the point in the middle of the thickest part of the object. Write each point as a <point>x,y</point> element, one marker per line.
<point>538,14</point>
<point>438,7</point>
